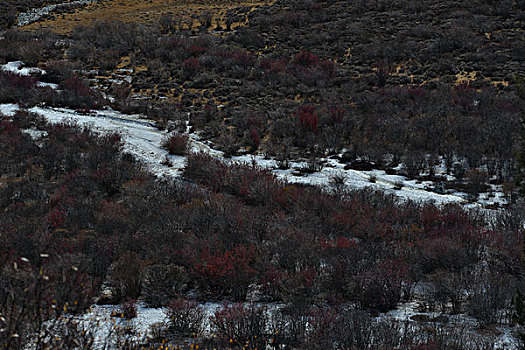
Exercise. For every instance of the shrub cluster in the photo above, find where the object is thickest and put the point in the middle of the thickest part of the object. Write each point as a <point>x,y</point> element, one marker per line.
<point>75,212</point>
<point>95,215</point>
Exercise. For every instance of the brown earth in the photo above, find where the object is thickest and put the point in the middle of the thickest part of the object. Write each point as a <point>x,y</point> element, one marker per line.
<point>141,11</point>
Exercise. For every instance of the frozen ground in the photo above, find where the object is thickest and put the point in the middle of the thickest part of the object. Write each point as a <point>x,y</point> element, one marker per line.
<point>406,315</point>
<point>8,109</point>
<point>105,326</point>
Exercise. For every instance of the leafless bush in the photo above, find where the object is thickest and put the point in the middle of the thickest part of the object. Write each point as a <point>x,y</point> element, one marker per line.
<point>240,324</point>
<point>161,282</point>
<point>186,318</point>
<point>125,277</point>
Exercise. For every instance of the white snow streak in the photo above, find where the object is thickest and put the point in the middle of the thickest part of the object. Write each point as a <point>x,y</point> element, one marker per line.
<point>143,140</point>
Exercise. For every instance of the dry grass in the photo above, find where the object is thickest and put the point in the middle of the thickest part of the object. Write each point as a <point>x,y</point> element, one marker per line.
<point>147,12</point>
<point>141,11</point>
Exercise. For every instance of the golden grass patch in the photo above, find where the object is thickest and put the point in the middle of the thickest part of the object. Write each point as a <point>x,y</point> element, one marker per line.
<point>142,11</point>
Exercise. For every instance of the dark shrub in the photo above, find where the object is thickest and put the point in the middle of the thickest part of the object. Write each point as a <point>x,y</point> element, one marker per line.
<point>189,67</point>
<point>176,144</point>
<point>381,287</point>
<point>241,324</point>
<point>162,282</point>
<point>476,182</point>
<point>125,276</point>
<point>77,86</point>
<point>128,309</point>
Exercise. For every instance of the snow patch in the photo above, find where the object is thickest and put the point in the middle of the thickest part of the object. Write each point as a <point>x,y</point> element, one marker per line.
<point>140,137</point>
<point>17,67</point>
<point>106,328</point>
<point>50,85</point>
<point>35,134</point>
<point>8,109</point>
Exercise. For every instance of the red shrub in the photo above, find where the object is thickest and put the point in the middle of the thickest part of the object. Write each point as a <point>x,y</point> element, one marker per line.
<point>321,322</point>
<point>227,272</point>
<point>382,71</point>
<point>8,127</point>
<point>239,58</point>
<point>296,19</point>
<point>305,59</point>
<point>287,196</point>
<point>316,7</point>
<point>290,285</point>
<point>19,81</point>
<point>175,43</point>
<point>56,217</point>
<point>339,242</point>
<point>255,138</point>
<point>464,96</point>
<point>274,66</point>
<point>337,114</point>
<point>189,67</point>
<point>112,210</point>
<point>61,197</point>
<point>114,139</point>
<point>308,118</point>
<point>243,58</point>
<point>211,112</point>
<point>416,92</point>
<point>10,136</point>
<point>328,67</point>
<point>193,50</point>
<point>271,281</point>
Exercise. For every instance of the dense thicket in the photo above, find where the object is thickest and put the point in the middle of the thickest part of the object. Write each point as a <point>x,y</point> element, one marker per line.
<point>75,207</point>
<point>81,222</point>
